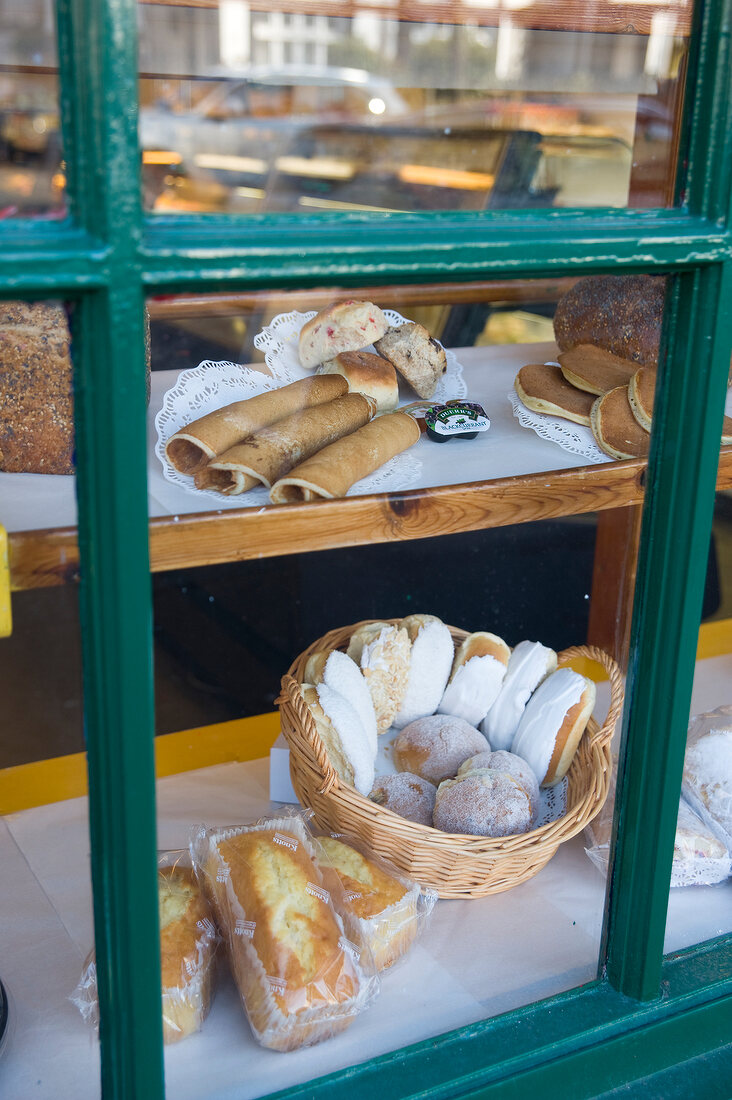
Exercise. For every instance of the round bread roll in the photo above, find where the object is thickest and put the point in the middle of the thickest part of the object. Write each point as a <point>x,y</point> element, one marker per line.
<point>382,651</point>
<point>366,373</point>
<point>407,795</point>
<point>435,747</point>
<point>477,675</point>
<point>528,665</point>
<point>343,326</point>
<point>502,761</point>
<point>483,803</point>
<point>430,661</point>
<point>555,718</point>
<point>343,736</point>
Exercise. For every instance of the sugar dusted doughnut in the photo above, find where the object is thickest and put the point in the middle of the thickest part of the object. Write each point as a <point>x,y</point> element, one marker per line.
<point>502,761</point>
<point>483,803</point>
<point>407,795</point>
<point>554,720</point>
<point>478,671</point>
<point>382,651</point>
<point>435,747</point>
<point>430,661</point>
<point>528,665</point>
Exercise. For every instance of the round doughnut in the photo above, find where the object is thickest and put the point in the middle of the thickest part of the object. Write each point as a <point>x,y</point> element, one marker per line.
<point>552,724</point>
<point>434,747</point>
<point>483,803</point>
<point>407,795</point>
<point>502,761</point>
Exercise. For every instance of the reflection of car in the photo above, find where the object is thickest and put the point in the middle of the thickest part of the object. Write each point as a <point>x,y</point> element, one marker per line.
<point>235,134</point>
<point>311,138</point>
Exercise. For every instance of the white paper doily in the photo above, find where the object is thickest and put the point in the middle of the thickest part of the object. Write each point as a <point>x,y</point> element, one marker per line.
<point>210,386</point>
<point>278,341</point>
<point>575,438</point>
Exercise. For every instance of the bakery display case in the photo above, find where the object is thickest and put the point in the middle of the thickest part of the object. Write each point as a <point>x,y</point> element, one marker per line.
<point>263,174</point>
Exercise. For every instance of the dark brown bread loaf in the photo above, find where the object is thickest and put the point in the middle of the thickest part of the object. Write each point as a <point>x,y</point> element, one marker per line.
<point>621,313</point>
<point>36,401</point>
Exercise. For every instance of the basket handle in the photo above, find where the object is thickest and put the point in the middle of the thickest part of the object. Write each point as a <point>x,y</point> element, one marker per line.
<point>602,735</point>
<point>291,695</point>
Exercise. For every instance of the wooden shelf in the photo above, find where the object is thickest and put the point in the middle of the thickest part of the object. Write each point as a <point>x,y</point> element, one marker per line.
<point>46,558</point>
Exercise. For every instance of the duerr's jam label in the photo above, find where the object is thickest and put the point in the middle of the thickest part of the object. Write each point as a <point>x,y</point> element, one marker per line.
<point>456,420</point>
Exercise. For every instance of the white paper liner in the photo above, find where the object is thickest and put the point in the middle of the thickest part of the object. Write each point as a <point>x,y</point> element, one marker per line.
<point>311,1025</point>
<point>210,386</point>
<point>575,438</point>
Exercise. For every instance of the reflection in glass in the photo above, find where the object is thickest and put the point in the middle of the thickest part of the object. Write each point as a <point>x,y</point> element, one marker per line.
<point>32,173</point>
<point>295,109</point>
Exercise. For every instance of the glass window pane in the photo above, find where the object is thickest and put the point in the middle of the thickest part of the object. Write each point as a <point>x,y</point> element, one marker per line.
<point>703,847</point>
<point>32,172</point>
<point>291,108</point>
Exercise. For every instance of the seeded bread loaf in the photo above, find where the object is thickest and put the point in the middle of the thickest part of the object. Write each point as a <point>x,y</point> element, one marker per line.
<point>36,401</point>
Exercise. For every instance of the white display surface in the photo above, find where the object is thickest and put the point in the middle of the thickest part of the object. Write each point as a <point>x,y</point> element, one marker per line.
<point>476,958</point>
<point>36,501</point>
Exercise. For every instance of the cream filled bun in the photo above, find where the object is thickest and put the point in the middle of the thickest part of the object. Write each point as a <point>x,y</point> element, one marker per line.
<point>528,665</point>
<point>343,675</point>
<point>382,651</point>
<point>343,736</point>
<point>477,674</point>
<point>553,722</point>
<point>430,661</point>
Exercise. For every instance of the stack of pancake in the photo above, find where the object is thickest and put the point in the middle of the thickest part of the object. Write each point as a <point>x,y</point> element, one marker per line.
<point>592,386</point>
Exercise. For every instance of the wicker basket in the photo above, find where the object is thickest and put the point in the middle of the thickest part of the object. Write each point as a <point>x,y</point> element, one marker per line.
<point>456,866</point>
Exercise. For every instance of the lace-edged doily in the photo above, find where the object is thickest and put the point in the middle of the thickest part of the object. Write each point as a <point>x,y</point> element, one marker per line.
<point>210,386</point>
<point>552,803</point>
<point>575,438</point>
<point>278,341</point>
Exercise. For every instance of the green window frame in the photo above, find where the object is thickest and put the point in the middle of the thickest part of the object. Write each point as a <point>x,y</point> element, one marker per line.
<point>106,258</point>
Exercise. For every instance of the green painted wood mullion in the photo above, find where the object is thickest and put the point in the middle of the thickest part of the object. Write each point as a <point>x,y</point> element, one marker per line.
<point>99,65</point>
<point>671,573</point>
<point>673,554</point>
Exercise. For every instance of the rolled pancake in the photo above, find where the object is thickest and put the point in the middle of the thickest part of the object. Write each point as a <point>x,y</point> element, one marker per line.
<point>211,435</point>
<point>616,430</point>
<point>267,455</point>
<point>543,388</point>
<point>641,390</point>
<point>332,471</point>
<point>595,370</point>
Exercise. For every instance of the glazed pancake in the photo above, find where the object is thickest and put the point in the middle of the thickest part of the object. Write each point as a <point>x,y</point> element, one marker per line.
<point>543,388</point>
<point>641,389</point>
<point>616,430</point>
<point>595,370</point>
